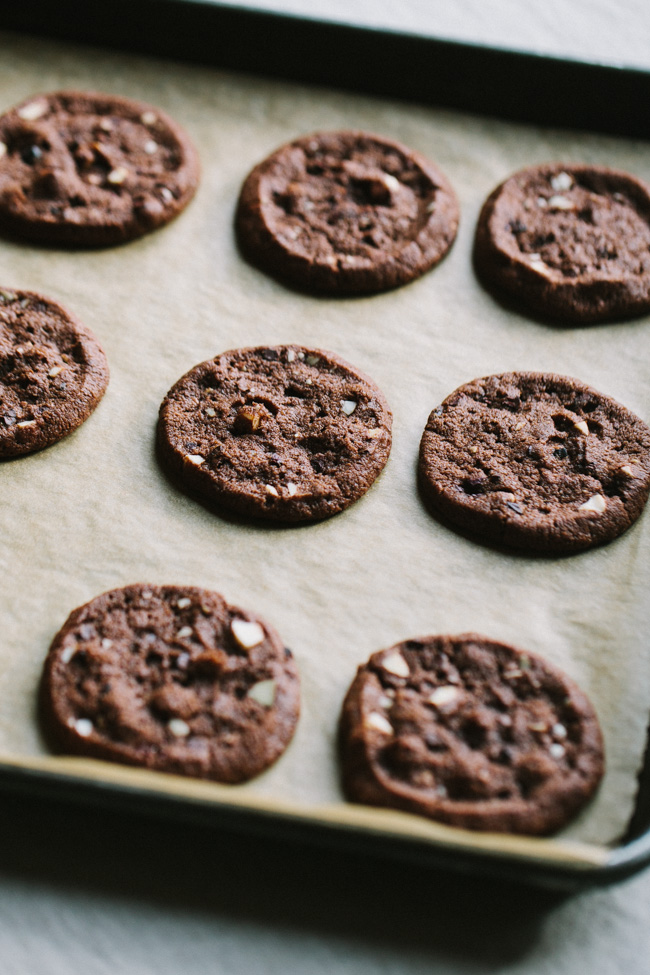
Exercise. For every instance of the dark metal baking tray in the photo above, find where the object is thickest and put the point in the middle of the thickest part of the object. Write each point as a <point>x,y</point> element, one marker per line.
<point>512,85</point>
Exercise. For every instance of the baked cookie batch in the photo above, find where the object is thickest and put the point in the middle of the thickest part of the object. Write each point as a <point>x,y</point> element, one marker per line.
<point>462,729</point>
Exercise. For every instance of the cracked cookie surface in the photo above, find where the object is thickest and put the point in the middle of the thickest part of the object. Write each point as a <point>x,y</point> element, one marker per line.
<point>535,461</point>
<point>568,242</point>
<point>283,433</point>
<point>170,678</point>
<point>85,169</point>
<point>470,732</point>
<point>53,372</point>
<point>346,213</point>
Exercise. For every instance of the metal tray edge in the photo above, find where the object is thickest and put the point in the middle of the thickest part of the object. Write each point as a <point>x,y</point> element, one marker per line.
<point>514,85</point>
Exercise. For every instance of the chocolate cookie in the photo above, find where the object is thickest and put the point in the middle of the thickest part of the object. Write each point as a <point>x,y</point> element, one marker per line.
<point>346,213</point>
<point>535,461</point>
<point>283,433</point>
<point>170,678</point>
<point>470,732</point>
<point>85,169</point>
<point>53,372</point>
<point>568,242</point>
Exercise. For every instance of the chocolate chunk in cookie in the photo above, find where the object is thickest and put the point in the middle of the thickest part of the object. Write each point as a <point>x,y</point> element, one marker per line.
<point>170,678</point>
<point>535,461</point>
<point>283,433</point>
<point>53,372</point>
<point>84,169</point>
<point>346,213</point>
<point>471,732</point>
<point>568,242</point>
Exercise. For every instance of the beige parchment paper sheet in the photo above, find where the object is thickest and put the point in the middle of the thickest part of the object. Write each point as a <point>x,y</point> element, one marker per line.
<point>94,511</point>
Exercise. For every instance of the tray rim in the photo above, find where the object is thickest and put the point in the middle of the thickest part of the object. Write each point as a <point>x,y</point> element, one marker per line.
<point>455,74</point>
<point>246,40</point>
<point>583,866</point>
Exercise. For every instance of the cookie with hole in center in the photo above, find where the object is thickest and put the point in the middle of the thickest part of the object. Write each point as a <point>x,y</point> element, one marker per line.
<point>86,169</point>
<point>170,678</point>
<point>346,213</point>
<point>53,372</point>
<point>284,433</point>
<point>470,732</point>
<point>568,242</point>
<point>535,462</point>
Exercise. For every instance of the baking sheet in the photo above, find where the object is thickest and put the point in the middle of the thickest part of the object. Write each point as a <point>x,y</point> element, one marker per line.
<point>95,512</point>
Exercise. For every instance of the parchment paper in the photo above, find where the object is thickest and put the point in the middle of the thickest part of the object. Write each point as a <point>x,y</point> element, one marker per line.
<point>94,511</point>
